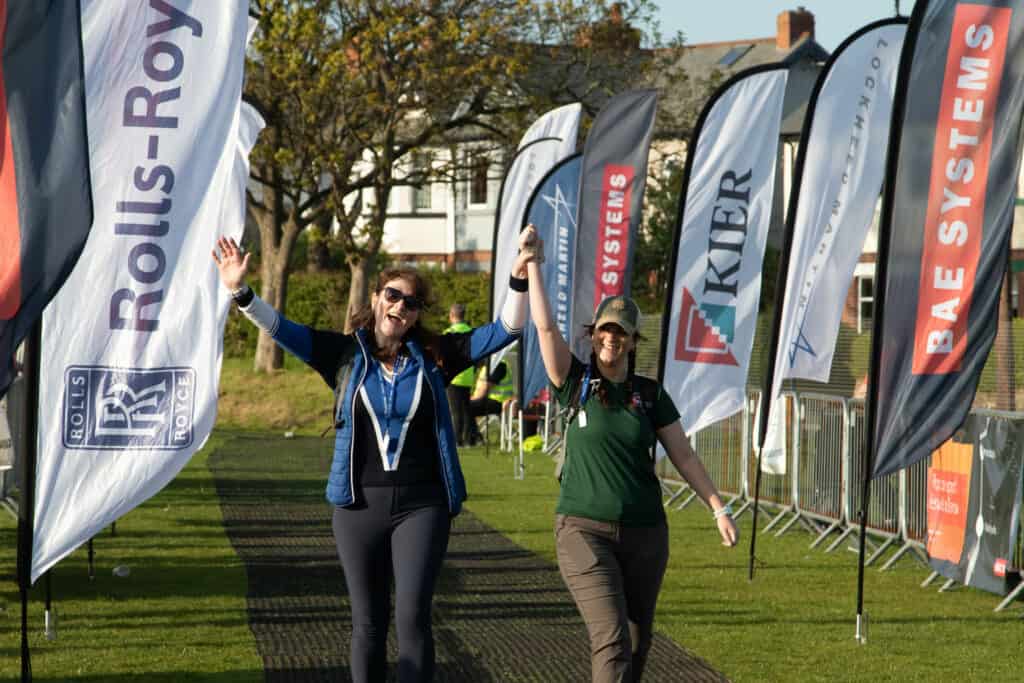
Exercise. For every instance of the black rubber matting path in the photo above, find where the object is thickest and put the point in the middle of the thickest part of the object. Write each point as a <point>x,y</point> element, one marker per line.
<point>501,613</point>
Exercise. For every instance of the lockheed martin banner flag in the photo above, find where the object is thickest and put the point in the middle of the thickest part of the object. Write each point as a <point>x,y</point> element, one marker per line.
<point>548,141</point>
<point>133,342</point>
<point>611,198</point>
<point>715,281</point>
<point>552,209</point>
<point>946,230</point>
<point>45,200</point>
<point>838,177</point>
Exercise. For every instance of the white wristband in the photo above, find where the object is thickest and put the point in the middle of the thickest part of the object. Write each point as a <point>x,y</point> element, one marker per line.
<point>724,511</point>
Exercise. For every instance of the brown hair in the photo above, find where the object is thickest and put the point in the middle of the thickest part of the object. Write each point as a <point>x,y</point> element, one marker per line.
<point>364,319</point>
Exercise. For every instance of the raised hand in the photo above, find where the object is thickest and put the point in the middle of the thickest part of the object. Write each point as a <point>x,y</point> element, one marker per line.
<point>232,263</point>
<point>531,248</point>
<point>528,237</point>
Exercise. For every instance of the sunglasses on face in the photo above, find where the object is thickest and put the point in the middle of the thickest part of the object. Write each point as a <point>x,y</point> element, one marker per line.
<point>393,296</point>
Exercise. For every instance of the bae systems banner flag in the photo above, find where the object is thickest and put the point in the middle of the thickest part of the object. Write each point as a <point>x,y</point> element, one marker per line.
<point>611,197</point>
<point>45,201</point>
<point>974,497</point>
<point>552,209</point>
<point>715,281</point>
<point>950,195</point>
<point>549,140</point>
<point>133,341</point>
<point>838,177</point>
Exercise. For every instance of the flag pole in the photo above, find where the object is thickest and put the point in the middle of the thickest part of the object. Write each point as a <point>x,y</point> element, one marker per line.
<point>26,506</point>
<point>884,239</point>
<point>781,280</point>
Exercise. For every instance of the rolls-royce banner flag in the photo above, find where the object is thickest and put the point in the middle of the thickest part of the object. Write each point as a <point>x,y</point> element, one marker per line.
<point>45,199</point>
<point>548,141</point>
<point>947,216</point>
<point>611,198</point>
<point>133,342</point>
<point>837,180</point>
<point>715,279</point>
<point>552,209</point>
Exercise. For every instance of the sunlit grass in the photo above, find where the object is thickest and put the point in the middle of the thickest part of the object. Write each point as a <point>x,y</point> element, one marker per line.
<point>178,616</point>
<point>795,621</point>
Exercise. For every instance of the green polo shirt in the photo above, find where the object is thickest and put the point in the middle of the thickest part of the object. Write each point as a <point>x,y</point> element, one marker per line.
<point>609,473</point>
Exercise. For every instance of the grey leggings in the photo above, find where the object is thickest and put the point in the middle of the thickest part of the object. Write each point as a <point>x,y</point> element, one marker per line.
<point>375,543</point>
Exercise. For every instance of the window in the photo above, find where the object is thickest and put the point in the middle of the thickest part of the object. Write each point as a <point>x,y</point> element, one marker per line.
<point>478,180</point>
<point>734,55</point>
<point>865,302</point>
<point>421,194</point>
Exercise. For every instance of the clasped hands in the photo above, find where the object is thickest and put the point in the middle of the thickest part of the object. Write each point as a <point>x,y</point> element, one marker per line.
<point>531,249</point>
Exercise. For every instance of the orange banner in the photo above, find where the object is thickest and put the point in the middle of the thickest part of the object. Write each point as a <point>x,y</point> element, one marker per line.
<point>949,480</point>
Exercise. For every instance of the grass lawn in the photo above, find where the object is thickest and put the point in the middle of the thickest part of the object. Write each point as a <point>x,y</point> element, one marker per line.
<point>795,622</point>
<point>178,616</point>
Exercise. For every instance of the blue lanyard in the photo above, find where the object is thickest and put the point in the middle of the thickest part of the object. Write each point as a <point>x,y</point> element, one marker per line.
<point>585,389</point>
<point>388,388</point>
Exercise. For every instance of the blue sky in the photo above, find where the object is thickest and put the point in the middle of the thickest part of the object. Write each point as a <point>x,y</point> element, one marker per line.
<point>704,21</point>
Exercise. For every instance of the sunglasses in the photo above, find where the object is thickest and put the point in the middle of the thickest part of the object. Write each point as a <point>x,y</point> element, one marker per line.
<point>393,296</point>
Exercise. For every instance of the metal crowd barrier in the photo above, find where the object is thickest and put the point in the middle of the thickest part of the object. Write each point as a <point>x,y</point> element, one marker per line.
<point>913,513</point>
<point>12,443</point>
<point>884,501</point>
<point>722,449</point>
<point>825,447</point>
<point>822,460</point>
<point>777,490</point>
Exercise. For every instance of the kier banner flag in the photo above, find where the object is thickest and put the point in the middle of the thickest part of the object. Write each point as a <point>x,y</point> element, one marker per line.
<point>548,141</point>
<point>612,185</point>
<point>946,222</point>
<point>133,342</point>
<point>837,180</point>
<point>552,210</point>
<point>45,198</point>
<point>715,279</point>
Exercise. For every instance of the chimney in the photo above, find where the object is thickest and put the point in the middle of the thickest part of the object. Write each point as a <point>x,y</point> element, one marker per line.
<point>793,25</point>
<point>615,14</point>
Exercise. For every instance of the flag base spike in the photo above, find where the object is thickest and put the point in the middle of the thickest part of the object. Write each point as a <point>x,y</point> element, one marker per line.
<point>50,624</point>
<point>862,629</point>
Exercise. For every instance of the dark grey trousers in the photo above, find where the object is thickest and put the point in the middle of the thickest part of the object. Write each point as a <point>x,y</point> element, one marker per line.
<point>376,544</point>
<point>614,573</point>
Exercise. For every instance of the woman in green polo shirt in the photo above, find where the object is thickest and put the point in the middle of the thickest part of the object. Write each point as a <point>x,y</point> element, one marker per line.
<point>610,528</point>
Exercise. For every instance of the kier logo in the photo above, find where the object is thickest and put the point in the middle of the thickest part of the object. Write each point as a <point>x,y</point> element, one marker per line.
<point>999,568</point>
<point>705,332</point>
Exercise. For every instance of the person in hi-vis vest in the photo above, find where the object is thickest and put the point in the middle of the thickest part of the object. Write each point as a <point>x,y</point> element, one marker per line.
<point>461,386</point>
<point>492,390</point>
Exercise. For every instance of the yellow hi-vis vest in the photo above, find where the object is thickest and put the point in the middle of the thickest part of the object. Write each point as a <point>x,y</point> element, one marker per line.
<point>503,390</point>
<point>467,377</point>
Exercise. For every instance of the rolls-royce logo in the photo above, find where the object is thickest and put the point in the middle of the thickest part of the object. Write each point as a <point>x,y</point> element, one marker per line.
<point>128,408</point>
